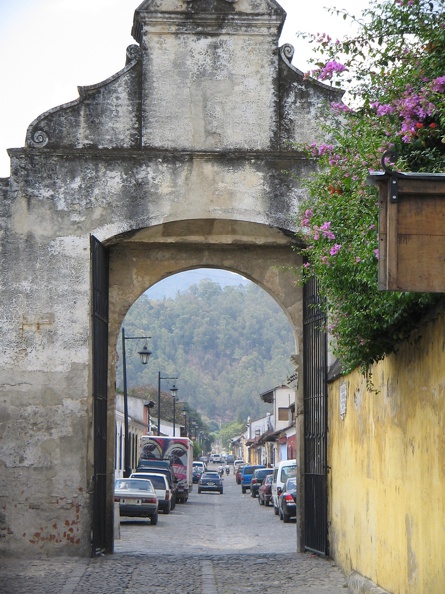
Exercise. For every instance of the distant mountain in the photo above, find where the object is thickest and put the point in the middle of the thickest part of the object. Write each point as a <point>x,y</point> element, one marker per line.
<point>179,283</point>
<point>226,342</point>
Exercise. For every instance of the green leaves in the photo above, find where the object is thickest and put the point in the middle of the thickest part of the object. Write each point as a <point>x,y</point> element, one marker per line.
<point>227,345</point>
<point>395,69</point>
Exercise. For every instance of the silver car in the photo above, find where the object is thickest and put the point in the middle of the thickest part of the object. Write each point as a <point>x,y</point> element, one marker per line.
<point>137,498</point>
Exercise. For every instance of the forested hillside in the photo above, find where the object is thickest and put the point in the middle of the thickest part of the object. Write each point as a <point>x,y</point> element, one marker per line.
<point>226,345</point>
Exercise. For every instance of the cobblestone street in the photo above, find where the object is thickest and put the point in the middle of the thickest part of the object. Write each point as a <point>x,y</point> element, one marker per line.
<point>211,545</point>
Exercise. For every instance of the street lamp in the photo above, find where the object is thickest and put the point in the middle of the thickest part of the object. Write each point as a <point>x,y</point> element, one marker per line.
<point>185,424</point>
<point>144,355</point>
<point>148,406</point>
<point>185,410</point>
<point>159,398</point>
<point>173,391</point>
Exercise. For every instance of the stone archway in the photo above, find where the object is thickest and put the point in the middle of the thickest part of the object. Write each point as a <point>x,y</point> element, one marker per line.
<point>260,253</point>
<point>183,158</point>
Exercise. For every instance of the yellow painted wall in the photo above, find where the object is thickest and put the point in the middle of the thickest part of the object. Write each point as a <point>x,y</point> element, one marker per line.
<point>387,478</point>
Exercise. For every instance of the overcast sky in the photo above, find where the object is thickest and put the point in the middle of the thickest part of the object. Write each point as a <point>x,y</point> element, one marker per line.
<point>49,47</point>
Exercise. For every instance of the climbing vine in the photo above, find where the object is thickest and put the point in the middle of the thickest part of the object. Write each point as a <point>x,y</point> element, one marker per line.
<point>394,74</point>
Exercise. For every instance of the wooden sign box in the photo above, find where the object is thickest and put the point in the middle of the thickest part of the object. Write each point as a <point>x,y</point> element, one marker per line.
<point>411,231</point>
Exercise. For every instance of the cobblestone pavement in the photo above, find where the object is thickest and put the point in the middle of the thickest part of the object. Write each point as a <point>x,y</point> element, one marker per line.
<point>211,545</point>
<point>131,574</point>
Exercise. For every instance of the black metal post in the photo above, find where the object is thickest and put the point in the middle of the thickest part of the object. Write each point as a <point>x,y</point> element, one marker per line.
<point>159,403</point>
<point>144,354</point>
<point>159,398</point>
<point>127,469</point>
<point>173,392</point>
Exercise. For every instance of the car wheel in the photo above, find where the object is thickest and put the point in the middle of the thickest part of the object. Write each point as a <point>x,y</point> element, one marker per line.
<point>166,510</point>
<point>280,513</point>
<point>199,490</point>
<point>285,517</point>
<point>276,510</point>
<point>266,503</point>
<point>243,489</point>
<point>221,491</point>
<point>154,519</point>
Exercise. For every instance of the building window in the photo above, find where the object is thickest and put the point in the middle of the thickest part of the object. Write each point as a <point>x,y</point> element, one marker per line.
<point>283,414</point>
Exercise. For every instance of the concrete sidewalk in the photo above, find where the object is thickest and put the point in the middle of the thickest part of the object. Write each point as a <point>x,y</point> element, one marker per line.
<point>173,574</point>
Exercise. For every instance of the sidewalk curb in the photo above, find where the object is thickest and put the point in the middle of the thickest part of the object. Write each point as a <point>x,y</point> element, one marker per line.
<point>357,584</point>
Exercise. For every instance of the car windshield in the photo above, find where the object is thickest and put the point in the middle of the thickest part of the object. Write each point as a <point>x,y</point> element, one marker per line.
<point>210,475</point>
<point>291,484</point>
<point>133,485</point>
<point>262,473</point>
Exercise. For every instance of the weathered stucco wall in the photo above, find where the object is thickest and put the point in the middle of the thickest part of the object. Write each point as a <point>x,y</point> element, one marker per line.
<point>185,146</point>
<point>387,477</point>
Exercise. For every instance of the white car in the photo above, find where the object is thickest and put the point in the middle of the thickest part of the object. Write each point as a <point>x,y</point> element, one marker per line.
<point>160,485</point>
<point>236,464</point>
<point>200,465</point>
<point>285,469</point>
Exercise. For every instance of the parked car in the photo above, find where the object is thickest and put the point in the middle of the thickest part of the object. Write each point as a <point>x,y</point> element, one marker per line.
<point>136,498</point>
<point>161,467</point>
<point>257,479</point>
<point>210,481</point>
<point>238,473</point>
<point>285,469</point>
<point>230,459</point>
<point>287,501</point>
<point>196,474</point>
<point>246,475</point>
<point>161,486</point>
<point>199,464</point>
<point>216,458</point>
<point>265,491</point>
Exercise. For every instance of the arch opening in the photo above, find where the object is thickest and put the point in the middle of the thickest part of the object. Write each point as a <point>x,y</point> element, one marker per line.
<point>261,256</point>
<point>199,318</point>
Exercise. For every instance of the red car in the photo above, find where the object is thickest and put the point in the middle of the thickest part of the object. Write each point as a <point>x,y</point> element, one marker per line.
<point>265,491</point>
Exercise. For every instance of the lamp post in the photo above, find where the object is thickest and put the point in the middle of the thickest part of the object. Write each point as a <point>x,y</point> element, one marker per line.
<point>173,391</point>
<point>148,406</point>
<point>144,354</point>
<point>159,398</point>
<point>184,412</point>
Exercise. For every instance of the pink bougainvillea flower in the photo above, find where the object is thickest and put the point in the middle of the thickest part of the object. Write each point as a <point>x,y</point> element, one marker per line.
<point>327,72</point>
